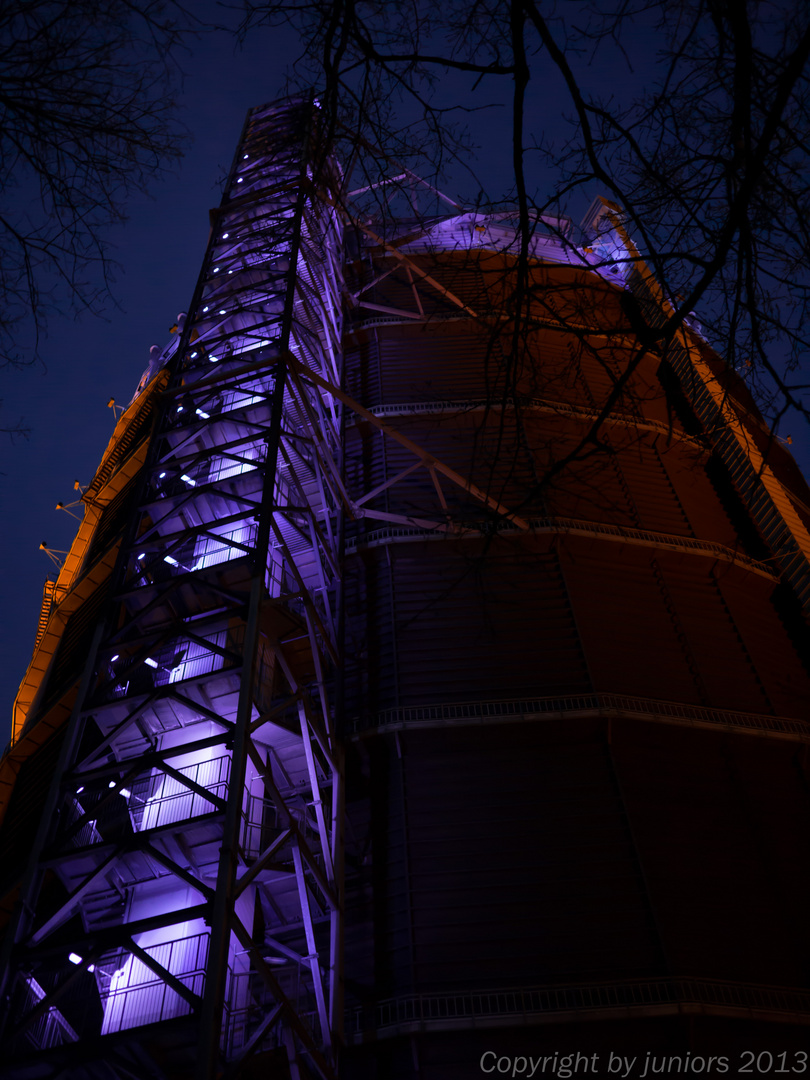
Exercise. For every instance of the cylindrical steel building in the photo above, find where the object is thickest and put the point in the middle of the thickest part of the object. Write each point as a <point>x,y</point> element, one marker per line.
<point>425,693</point>
<point>577,719</point>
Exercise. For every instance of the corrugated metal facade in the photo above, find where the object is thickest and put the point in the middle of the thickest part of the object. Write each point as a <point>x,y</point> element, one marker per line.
<point>509,833</point>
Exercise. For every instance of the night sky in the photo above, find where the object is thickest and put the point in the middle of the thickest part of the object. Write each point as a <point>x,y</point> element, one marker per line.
<point>159,250</point>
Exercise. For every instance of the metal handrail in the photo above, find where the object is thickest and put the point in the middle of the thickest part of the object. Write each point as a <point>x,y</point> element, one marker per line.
<point>466,712</point>
<point>472,529</point>
<point>522,1003</point>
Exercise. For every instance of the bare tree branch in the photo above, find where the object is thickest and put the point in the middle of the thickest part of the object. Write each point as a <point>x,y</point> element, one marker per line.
<point>709,165</point>
<point>87,118</point>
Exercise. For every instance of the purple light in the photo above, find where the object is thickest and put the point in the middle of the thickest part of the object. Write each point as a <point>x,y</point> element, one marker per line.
<point>239,181</point>
<point>112,661</point>
<point>170,560</point>
<point>225,235</point>
<point>160,477</point>
<point>209,551</point>
<point>204,415</point>
<point>222,310</point>
<point>188,480</point>
<point>111,784</point>
<point>74,958</point>
<point>79,790</point>
<point>153,664</point>
<point>205,308</point>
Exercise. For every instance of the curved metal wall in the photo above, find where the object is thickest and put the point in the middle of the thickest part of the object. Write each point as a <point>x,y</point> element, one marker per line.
<point>577,739</point>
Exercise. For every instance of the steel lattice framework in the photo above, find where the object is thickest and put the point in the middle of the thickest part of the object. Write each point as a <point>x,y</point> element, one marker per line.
<point>196,826</point>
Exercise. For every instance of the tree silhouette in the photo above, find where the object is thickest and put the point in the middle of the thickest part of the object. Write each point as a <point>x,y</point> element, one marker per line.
<point>708,166</point>
<point>86,119</point>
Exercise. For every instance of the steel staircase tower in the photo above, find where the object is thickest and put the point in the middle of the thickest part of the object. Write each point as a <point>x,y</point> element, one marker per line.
<point>182,912</point>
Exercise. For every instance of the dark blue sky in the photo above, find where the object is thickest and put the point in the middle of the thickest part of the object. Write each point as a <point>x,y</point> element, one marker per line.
<point>159,249</point>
